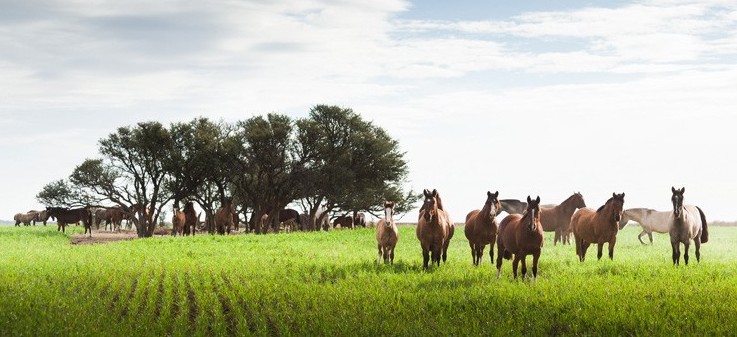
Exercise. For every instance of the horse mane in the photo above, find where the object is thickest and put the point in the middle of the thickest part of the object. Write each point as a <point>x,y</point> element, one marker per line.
<point>604,205</point>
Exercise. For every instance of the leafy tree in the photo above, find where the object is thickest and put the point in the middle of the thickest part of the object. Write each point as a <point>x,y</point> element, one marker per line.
<point>351,164</point>
<point>62,193</point>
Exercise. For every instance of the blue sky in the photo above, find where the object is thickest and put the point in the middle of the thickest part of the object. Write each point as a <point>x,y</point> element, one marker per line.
<point>528,97</point>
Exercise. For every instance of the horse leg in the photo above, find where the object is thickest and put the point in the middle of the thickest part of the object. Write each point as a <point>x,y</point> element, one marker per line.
<point>391,255</point>
<point>535,258</point>
<point>650,236</point>
<point>611,248</point>
<point>557,237</point>
<point>676,254</point>
<point>425,258</point>
<point>524,266</point>
<point>639,236</point>
<point>473,253</point>
<point>685,252</point>
<point>515,264</point>
<point>378,258</point>
<point>579,245</point>
<point>499,257</point>
<point>599,248</point>
<point>480,254</point>
<point>584,247</point>
<point>697,247</point>
<point>491,252</point>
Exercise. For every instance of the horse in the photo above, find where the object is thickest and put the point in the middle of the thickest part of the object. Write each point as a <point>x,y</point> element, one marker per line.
<point>178,221</point>
<point>512,206</point>
<point>558,218</point>
<point>481,228</point>
<point>688,223</point>
<point>387,234</point>
<point>42,216</point>
<point>224,217</point>
<point>649,219</point>
<point>434,229</point>
<point>521,235</point>
<point>191,219</point>
<point>65,216</point>
<point>598,226</point>
<point>25,218</point>
<point>344,221</point>
<point>360,220</point>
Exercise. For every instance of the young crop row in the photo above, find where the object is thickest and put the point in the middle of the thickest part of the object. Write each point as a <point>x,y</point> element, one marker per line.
<point>328,283</point>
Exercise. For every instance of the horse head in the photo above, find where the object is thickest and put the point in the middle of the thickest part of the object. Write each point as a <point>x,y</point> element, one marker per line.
<point>430,205</point>
<point>578,201</point>
<point>492,204</point>
<point>618,204</point>
<point>388,213</point>
<point>677,200</point>
<point>533,211</point>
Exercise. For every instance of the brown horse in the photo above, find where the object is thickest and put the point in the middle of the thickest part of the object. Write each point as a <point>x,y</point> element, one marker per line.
<point>434,230</point>
<point>224,217</point>
<point>178,219</point>
<point>558,218</point>
<point>191,219</point>
<point>387,234</point>
<point>688,223</point>
<point>600,226</point>
<point>521,235</point>
<point>481,228</point>
<point>65,216</point>
<point>344,221</point>
<point>512,206</point>
<point>25,218</point>
<point>42,216</point>
<point>360,220</point>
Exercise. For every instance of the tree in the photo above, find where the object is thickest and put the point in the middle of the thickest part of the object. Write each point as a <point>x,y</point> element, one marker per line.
<point>351,165</point>
<point>61,193</point>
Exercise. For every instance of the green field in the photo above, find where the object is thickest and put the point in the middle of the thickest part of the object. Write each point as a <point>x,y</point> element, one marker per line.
<point>328,283</point>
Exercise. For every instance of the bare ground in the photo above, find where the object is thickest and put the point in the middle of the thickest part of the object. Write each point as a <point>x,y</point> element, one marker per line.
<point>103,237</point>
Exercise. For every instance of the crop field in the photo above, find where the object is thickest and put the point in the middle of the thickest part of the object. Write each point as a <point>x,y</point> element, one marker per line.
<point>328,283</point>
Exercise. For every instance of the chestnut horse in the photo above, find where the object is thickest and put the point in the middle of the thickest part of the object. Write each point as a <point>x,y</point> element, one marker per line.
<point>481,228</point>
<point>434,229</point>
<point>688,223</point>
<point>521,235</point>
<point>387,234</point>
<point>558,218</point>
<point>224,217</point>
<point>178,219</point>
<point>600,226</point>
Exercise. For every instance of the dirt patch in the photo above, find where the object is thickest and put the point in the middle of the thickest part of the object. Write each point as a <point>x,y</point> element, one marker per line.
<point>102,237</point>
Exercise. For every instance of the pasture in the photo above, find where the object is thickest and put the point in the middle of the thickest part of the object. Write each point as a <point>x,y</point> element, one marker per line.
<point>328,283</point>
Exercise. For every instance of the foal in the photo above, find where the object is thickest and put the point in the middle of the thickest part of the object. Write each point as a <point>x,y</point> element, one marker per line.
<point>387,234</point>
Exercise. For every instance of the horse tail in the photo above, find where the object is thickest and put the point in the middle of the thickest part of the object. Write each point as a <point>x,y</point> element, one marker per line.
<point>704,227</point>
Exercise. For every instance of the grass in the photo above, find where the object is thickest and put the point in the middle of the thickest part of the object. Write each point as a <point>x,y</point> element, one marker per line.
<point>328,283</point>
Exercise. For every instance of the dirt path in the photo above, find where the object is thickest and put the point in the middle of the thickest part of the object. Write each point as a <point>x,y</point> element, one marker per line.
<point>102,237</point>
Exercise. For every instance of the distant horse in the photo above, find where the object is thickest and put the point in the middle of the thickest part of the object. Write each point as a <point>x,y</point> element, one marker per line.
<point>649,219</point>
<point>344,221</point>
<point>512,206</point>
<point>360,220</point>
<point>25,218</point>
<point>191,219</point>
<point>178,220</point>
<point>434,230</point>
<point>521,235</point>
<point>65,216</point>
<point>481,228</point>
<point>688,223</point>
<point>387,234</point>
<point>558,218</point>
<point>42,216</point>
<point>224,217</point>
<point>598,226</point>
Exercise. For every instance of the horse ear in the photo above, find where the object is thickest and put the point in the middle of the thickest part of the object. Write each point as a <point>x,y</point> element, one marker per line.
<point>538,199</point>
<point>488,193</point>
<point>614,194</point>
<point>434,192</point>
<point>496,194</point>
<point>529,200</point>
<point>622,195</point>
<point>673,189</point>
<point>683,190</point>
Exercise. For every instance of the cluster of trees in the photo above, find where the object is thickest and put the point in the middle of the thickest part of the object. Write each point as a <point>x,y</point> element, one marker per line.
<point>333,160</point>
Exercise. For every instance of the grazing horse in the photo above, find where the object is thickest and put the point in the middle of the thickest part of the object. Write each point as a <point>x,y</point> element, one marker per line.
<point>558,218</point>
<point>224,217</point>
<point>344,221</point>
<point>191,219</point>
<point>25,218</point>
<point>598,226</point>
<point>387,234</point>
<point>688,223</point>
<point>178,219</point>
<point>434,230</point>
<point>65,216</point>
<point>481,228</point>
<point>512,206</point>
<point>521,235</point>
<point>649,219</point>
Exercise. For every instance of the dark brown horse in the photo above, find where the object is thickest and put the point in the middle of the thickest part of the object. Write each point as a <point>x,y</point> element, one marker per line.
<point>191,219</point>
<point>688,223</point>
<point>387,234</point>
<point>224,217</point>
<point>65,216</point>
<point>359,220</point>
<point>599,227</point>
<point>558,218</point>
<point>344,221</point>
<point>481,228</point>
<point>434,230</point>
<point>521,235</point>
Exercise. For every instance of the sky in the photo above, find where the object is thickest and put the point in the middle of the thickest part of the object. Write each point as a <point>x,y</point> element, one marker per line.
<point>540,98</point>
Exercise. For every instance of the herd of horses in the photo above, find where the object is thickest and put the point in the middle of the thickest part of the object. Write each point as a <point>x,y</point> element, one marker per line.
<point>521,232</point>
